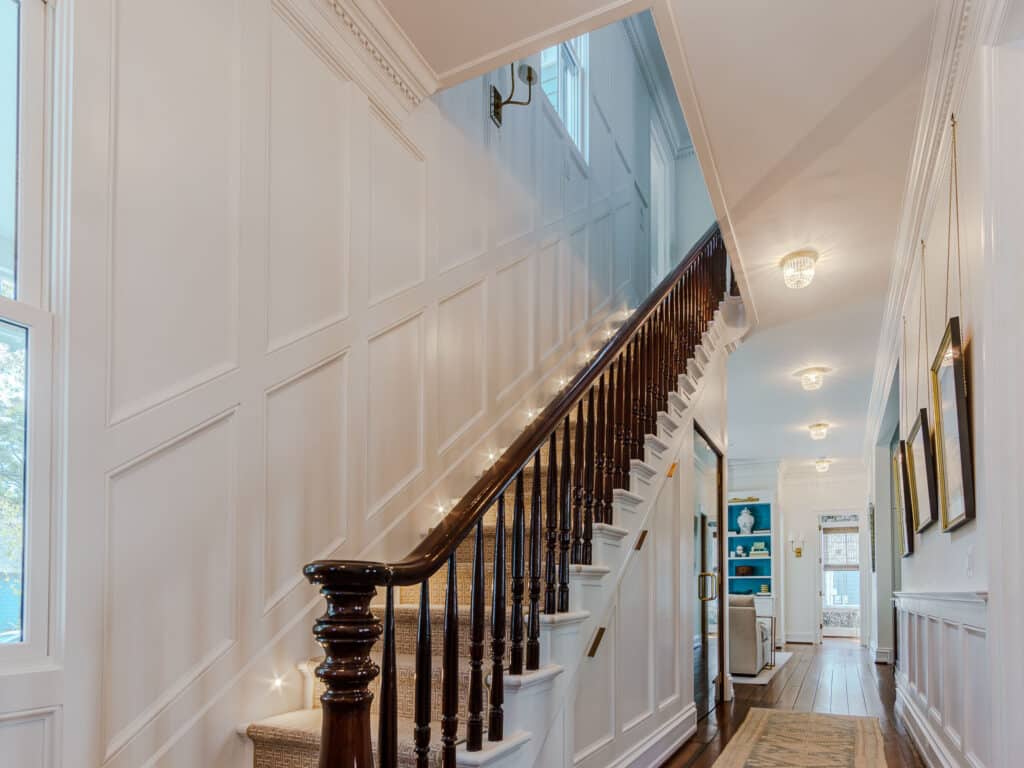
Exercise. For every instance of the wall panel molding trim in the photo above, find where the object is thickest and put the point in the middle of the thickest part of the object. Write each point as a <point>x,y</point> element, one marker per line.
<point>942,679</point>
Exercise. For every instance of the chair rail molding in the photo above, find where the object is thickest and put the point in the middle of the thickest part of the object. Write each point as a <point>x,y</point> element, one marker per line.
<point>942,678</point>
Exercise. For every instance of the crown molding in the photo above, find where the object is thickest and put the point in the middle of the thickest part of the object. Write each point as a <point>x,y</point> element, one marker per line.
<point>385,47</point>
<point>960,27</point>
<point>644,40</point>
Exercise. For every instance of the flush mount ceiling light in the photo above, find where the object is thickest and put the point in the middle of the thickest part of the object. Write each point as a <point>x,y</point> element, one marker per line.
<point>798,268</point>
<point>822,465</point>
<point>812,378</point>
<point>818,431</point>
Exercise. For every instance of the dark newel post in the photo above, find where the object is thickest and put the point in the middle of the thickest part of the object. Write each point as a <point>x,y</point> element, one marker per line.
<point>577,488</point>
<point>475,718</point>
<point>599,446</point>
<point>495,722</point>
<point>550,560</point>
<point>450,668</point>
<point>588,483</point>
<point>533,624</point>
<point>515,665</point>
<point>387,733</point>
<point>347,633</point>
<point>424,675</point>
<point>565,531</point>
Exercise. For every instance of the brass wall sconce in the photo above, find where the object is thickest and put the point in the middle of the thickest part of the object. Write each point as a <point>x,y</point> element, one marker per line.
<point>528,75</point>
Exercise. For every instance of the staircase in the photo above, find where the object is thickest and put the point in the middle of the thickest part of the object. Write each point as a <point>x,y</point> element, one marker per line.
<point>484,623</point>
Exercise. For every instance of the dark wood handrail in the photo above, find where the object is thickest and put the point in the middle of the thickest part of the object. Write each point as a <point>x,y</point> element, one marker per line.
<point>431,554</point>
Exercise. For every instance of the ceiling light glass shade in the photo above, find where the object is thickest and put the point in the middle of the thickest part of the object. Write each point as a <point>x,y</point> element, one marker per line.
<point>822,465</point>
<point>818,431</point>
<point>812,378</point>
<point>798,269</point>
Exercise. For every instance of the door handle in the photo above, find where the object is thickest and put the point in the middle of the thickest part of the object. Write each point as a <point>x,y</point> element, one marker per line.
<point>705,594</point>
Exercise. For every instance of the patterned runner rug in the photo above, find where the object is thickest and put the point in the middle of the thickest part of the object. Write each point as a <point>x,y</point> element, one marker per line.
<point>776,738</point>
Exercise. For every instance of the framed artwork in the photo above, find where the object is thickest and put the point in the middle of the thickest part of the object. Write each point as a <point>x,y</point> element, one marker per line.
<point>953,462</point>
<point>871,533</point>
<point>901,501</point>
<point>921,473</point>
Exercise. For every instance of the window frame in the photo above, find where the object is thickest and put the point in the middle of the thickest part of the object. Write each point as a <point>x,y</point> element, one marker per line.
<point>577,51</point>
<point>827,567</point>
<point>28,310</point>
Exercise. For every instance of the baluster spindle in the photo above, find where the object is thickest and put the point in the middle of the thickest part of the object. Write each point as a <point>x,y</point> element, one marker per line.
<point>652,372</point>
<point>599,453</point>
<point>550,560</point>
<point>450,668</point>
<point>588,483</point>
<point>495,722</point>
<point>533,623</point>
<point>515,666</point>
<point>577,488</point>
<point>475,719</point>
<point>564,514</point>
<point>636,427</point>
<point>626,413</point>
<point>424,674</point>
<point>618,438</point>
<point>609,446</point>
<point>387,734</point>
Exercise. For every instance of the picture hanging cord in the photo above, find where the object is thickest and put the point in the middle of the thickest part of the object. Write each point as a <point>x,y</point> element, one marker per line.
<point>954,208</point>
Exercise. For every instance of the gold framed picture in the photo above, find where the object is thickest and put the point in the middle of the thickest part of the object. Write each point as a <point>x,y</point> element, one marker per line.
<point>953,461</point>
<point>921,473</point>
<point>901,505</point>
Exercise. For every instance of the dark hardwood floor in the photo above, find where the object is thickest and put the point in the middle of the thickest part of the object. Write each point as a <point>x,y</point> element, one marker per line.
<point>836,677</point>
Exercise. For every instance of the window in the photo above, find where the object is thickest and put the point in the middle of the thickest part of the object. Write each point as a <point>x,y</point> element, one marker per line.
<point>841,563</point>
<point>25,335</point>
<point>563,76</point>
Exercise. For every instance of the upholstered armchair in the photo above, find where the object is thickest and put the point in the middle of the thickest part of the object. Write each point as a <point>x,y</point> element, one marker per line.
<point>749,639</point>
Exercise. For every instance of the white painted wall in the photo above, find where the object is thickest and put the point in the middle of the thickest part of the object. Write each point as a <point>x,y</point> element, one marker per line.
<point>805,495</point>
<point>295,311</point>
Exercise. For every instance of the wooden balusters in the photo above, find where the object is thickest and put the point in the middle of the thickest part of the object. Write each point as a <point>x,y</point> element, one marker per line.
<point>450,669</point>
<point>474,718</point>
<point>421,714</point>
<point>515,665</point>
<point>609,447</point>
<point>533,622</point>
<point>496,718</point>
<point>626,413</point>
<point>599,453</point>
<point>387,733</point>
<point>551,529</point>
<point>578,492</point>
<point>588,484</point>
<point>636,427</point>
<point>620,478</point>
<point>565,531</point>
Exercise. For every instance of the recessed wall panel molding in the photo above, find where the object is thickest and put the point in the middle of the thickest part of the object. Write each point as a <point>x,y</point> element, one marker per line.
<point>26,739</point>
<point>398,202</point>
<point>624,225</point>
<point>550,300</point>
<point>309,249</point>
<point>634,670</point>
<point>552,169</point>
<point>600,271</point>
<point>306,462</point>
<point>174,184</point>
<point>395,415</point>
<point>577,181</point>
<point>513,348</point>
<point>666,602</point>
<point>600,155</point>
<point>514,194</point>
<point>461,361</point>
<point>575,262</point>
<point>942,680</point>
<point>464,179</point>
<point>596,696</point>
<point>171,536</point>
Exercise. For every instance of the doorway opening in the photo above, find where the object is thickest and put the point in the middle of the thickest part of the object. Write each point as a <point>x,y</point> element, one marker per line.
<point>708,660</point>
<point>840,575</point>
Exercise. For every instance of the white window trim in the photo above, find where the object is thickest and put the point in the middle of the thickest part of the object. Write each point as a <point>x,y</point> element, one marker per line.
<point>583,68</point>
<point>28,310</point>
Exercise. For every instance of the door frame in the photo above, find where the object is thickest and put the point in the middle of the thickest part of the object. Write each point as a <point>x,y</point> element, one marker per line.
<point>720,518</point>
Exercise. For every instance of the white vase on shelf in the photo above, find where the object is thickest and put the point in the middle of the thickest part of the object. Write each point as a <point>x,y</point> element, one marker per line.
<point>745,521</point>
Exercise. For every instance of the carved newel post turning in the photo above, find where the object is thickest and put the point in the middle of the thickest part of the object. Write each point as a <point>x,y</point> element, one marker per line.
<point>347,632</point>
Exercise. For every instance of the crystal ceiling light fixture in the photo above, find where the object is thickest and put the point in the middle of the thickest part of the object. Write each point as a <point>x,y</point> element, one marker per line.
<point>798,268</point>
<point>818,431</point>
<point>812,378</point>
<point>822,465</point>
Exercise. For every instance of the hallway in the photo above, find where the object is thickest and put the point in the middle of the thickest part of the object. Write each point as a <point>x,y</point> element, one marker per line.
<point>836,677</point>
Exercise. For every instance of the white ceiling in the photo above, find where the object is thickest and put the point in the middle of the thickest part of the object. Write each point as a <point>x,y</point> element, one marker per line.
<point>809,111</point>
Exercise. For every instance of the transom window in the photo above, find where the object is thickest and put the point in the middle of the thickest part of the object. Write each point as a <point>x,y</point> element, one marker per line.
<point>841,564</point>
<point>563,76</point>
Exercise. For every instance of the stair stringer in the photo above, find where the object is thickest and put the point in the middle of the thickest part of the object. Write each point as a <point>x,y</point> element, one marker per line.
<point>633,509</point>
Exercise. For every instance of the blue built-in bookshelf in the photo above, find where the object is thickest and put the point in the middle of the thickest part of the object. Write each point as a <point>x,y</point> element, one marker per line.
<point>756,560</point>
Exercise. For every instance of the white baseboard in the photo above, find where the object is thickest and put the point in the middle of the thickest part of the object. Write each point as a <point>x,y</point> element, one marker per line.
<point>663,743</point>
<point>881,655</point>
<point>800,637</point>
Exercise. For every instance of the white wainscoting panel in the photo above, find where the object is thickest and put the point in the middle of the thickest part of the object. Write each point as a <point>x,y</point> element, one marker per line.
<point>550,301</point>
<point>306,470</point>
<point>461,360</point>
<point>597,698</point>
<point>513,350</point>
<point>26,739</point>
<point>310,106</point>
<point>942,683</point>
<point>634,669</point>
<point>171,536</point>
<point>576,267</point>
